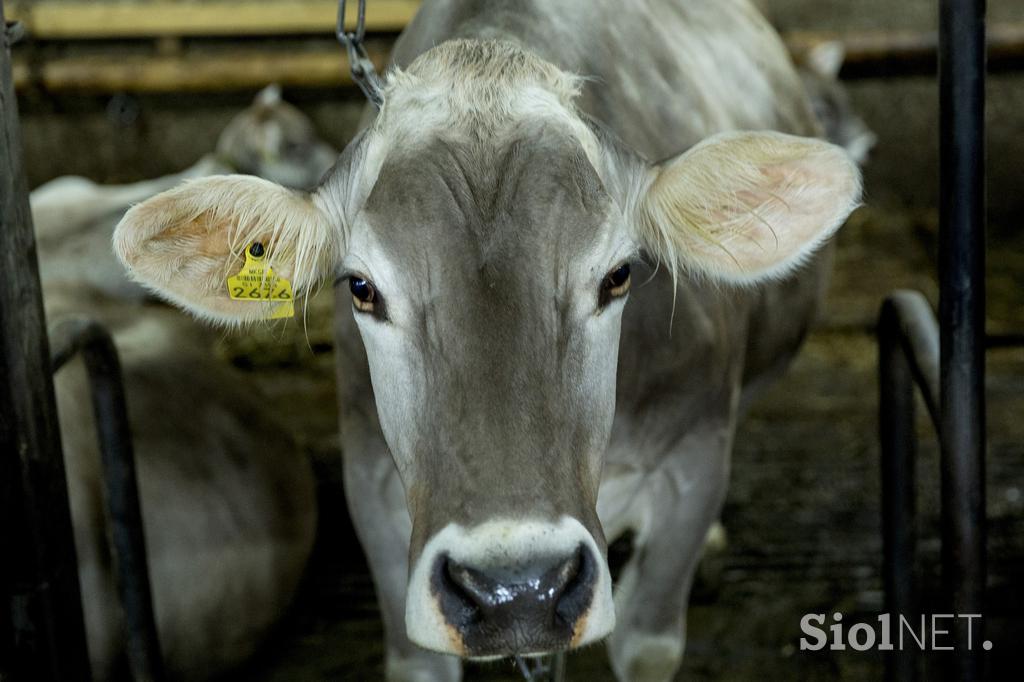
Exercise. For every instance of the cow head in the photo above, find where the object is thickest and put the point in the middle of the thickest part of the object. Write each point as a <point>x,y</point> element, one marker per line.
<point>486,232</point>
<point>274,140</point>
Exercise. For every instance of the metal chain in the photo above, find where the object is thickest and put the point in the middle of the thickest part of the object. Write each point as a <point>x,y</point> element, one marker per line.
<point>550,668</point>
<point>363,71</point>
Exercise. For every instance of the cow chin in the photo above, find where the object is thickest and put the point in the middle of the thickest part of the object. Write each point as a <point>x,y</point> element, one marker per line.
<point>507,588</point>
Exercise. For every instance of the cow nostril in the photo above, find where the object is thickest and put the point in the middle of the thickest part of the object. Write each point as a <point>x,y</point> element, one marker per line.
<point>576,591</point>
<point>563,576</point>
<point>471,585</point>
<point>467,596</point>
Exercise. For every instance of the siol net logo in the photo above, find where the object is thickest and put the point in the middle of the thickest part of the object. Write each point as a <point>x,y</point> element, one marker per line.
<point>931,633</point>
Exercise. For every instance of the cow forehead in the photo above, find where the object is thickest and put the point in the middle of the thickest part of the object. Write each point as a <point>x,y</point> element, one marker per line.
<point>532,201</point>
<point>483,88</point>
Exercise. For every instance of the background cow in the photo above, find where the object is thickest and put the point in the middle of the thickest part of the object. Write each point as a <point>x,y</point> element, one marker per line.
<point>819,70</point>
<point>489,224</point>
<point>227,496</point>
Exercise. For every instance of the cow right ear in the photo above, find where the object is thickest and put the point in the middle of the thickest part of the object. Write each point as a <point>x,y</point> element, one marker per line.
<point>184,243</point>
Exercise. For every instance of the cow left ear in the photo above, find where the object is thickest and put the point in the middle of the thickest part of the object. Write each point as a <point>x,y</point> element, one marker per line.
<point>743,207</point>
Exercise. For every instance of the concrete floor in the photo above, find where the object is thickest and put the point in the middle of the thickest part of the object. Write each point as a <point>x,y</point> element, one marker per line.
<point>802,512</point>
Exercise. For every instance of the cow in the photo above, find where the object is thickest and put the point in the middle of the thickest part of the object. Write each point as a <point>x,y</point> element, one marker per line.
<point>227,495</point>
<point>504,413</point>
<point>819,70</point>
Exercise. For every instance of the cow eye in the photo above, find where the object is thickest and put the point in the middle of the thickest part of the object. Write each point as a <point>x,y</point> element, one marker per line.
<point>363,294</point>
<point>615,284</point>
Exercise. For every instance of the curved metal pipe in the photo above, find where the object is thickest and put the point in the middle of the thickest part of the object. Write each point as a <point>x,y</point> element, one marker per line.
<point>908,353</point>
<point>68,338</point>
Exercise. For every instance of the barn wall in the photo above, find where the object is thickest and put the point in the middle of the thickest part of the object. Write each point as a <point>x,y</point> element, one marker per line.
<point>96,137</point>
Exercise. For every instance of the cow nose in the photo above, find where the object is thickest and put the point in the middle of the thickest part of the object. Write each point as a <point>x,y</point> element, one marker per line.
<point>531,607</point>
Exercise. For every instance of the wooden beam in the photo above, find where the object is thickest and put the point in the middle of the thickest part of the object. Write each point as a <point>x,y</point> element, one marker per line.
<point>192,71</point>
<point>869,55</point>
<point>76,20</point>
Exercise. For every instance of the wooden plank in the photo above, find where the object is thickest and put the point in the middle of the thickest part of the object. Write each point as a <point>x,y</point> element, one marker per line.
<point>195,72</point>
<point>42,631</point>
<point>104,19</point>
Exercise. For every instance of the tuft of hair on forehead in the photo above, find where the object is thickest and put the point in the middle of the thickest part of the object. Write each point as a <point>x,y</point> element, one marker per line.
<point>488,68</point>
<point>477,86</point>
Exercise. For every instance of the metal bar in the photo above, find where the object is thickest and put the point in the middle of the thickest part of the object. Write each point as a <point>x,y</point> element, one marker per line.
<point>78,335</point>
<point>962,319</point>
<point>908,353</point>
<point>42,631</point>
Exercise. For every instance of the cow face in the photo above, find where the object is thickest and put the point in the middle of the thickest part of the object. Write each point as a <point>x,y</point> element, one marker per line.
<point>488,284</point>
<point>486,232</point>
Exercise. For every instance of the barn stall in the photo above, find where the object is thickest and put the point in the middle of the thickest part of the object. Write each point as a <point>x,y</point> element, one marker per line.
<point>121,92</point>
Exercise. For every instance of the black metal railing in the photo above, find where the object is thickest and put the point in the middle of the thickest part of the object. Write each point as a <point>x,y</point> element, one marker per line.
<point>42,633</point>
<point>69,338</point>
<point>962,318</point>
<point>946,361</point>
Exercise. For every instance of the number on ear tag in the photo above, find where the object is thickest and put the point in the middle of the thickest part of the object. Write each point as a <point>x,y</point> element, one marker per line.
<point>257,282</point>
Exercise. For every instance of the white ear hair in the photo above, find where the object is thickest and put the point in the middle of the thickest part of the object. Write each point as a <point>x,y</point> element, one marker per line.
<point>826,58</point>
<point>185,242</point>
<point>744,206</point>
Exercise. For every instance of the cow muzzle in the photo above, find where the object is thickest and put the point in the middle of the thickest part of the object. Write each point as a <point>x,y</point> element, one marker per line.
<point>509,588</point>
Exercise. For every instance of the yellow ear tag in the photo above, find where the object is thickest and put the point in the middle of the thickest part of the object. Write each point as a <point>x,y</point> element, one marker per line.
<point>257,282</point>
